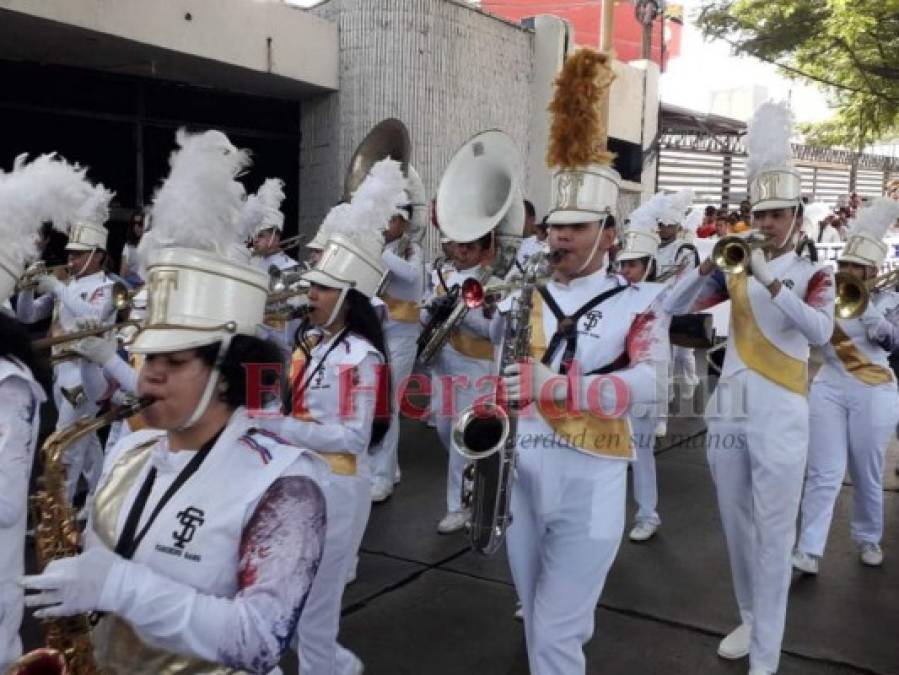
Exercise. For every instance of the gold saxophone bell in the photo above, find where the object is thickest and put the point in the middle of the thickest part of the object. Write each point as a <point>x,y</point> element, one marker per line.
<point>852,295</point>
<point>731,254</point>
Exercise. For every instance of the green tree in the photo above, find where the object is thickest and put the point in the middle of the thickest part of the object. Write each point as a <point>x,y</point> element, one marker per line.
<point>850,47</point>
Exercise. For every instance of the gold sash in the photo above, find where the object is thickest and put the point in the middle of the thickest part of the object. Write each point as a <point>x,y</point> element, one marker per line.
<point>469,345</point>
<point>119,651</point>
<point>401,310</point>
<point>341,463</point>
<point>856,362</point>
<point>753,346</point>
<point>605,436</point>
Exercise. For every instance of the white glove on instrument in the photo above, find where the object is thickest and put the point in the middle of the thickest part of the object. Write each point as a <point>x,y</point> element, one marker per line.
<point>97,349</point>
<point>71,586</point>
<point>47,283</point>
<point>527,381</point>
<point>760,270</point>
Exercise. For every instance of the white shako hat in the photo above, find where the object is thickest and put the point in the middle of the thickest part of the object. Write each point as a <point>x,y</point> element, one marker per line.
<point>584,186</point>
<point>262,211</point>
<point>319,241</point>
<point>865,245</point>
<point>47,189</point>
<point>641,237</point>
<point>87,231</point>
<point>200,292</point>
<point>355,241</point>
<point>773,182</point>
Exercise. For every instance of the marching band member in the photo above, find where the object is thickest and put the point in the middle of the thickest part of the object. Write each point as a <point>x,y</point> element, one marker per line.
<point>341,398</point>
<point>637,263</point>
<point>263,217</point>
<point>463,361</point>
<point>206,533</point>
<point>534,240</point>
<point>405,283</point>
<point>29,195</point>
<point>677,254</point>
<point>88,295</point>
<point>853,404</point>
<point>569,495</point>
<point>758,419</point>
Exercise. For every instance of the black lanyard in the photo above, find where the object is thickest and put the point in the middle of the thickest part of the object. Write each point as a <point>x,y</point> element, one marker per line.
<point>128,542</point>
<point>566,326</point>
<point>321,362</point>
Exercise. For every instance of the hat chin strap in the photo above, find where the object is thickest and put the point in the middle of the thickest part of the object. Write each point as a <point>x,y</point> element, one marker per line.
<point>337,307</point>
<point>211,385</point>
<point>592,252</point>
<point>790,232</point>
<point>86,262</point>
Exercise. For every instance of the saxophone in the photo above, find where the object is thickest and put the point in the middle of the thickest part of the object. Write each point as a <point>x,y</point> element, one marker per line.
<point>69,650</point>
<point>486,434</point>
<point>447,313</point>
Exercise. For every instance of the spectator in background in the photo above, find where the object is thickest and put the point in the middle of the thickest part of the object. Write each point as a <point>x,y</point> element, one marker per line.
<point>722,224</point>
<point>128,269</point>
<point>742,221</point>
<point>827,232</point>
<point>707,227</point>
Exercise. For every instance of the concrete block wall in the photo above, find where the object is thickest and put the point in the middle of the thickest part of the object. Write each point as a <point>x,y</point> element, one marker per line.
<point>444,68</point>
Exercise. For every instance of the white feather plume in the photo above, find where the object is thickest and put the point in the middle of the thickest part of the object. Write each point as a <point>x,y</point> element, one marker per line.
<point>876,219</point>
<point>693,220</point>
<point>768,139</point>
<point>199,205</point>
<point>646,216</point>
<point>47,189</point>
<point>377,199</point>
<point>675,207</point>
<point>814,213</point>
<point>95,209</point>
<point>263,209</point>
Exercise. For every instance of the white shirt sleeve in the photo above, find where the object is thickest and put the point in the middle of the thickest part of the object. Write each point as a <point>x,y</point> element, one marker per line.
<point>408,270</point>
<point>813,316</point>
<point>30,309</point>
<point>19,412</point>
<point>120,370</point>
<point>280,551</point>
<point>98,306</point>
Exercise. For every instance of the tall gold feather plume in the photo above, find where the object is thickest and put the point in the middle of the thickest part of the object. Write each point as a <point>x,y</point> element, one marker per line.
<point>579,132</point>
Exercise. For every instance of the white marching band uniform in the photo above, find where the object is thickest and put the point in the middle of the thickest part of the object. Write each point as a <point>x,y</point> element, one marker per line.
<point>758,418</point>
<point>20,400</point>
<point>401,297</point>
<point>854,406</point>
<point>88,297</point>
<point>462,370</point>
<point>673,254</point>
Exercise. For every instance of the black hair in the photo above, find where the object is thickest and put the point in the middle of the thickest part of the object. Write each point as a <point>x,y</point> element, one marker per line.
<point>485,242</point>
<point>608,222</point>
<point>529,208</point>
<point>362,320</point>
<point>710,210</point>
<point>16,345</point>
<point>243,351</point>
<point>407,209</point>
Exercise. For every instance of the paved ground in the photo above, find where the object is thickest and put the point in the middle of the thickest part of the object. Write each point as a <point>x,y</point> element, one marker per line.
<point>423,604</point>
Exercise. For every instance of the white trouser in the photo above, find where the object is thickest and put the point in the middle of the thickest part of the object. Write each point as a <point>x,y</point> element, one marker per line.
<point>84,456</point>
<point>401,347</point>
<point>12,604</point>
<point>683,364</point>
<point>348,502</point>
<point>757,461</point>
<point>450,365</point>
<point>854,421</point>
<point>646,492</point>
<point>568,517</point>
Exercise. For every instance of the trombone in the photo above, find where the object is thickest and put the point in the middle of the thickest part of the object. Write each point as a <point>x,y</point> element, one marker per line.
<point>286,244</point>
<point>74,336</point>
<point>732,253</point>
<point>853,295</point>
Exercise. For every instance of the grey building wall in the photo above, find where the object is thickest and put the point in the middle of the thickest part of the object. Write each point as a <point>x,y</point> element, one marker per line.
<point>444,68</point>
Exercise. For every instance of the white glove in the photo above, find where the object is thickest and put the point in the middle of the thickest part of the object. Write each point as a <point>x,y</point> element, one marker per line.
<point>524,382</point>
<point>97,349</point>
<point>760,270</point>
<point>47,283</point>
<point>71,586</point>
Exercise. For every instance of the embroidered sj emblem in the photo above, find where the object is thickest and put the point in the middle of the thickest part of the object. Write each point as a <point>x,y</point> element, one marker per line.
<point>591,319</point>
<point>190,518</point>
<point>568,186</point>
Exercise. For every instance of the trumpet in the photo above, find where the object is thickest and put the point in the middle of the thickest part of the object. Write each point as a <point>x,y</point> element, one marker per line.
<point>853,295</point>
<point>28,280</point>
<point>732,253</point>
<point>286,244</point>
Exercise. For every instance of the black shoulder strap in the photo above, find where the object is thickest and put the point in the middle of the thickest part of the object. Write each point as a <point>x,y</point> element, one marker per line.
<point>566,326</point>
